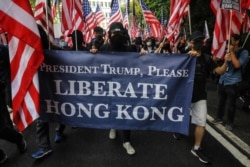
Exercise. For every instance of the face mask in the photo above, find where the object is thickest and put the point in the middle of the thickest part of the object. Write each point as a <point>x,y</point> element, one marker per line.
<point>117,41</point>
<point>197,46</point>
<point>149,43</point>
<point>63,44</point>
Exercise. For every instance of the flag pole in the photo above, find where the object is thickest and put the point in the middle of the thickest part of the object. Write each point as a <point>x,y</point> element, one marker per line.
<point>189,19</point>
<point>75,28</point>
<point>229,31</point>
<point>47,21</point>
<point>246,39</point>
<point>143,14</point>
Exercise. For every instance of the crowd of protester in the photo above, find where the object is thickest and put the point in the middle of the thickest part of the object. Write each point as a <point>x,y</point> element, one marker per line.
<point>117,39</point>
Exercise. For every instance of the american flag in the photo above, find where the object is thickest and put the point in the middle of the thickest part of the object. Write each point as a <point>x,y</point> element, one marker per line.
<point>245,4</point>
<point>126,15</point>
<point>26,55</point>
<point>72,15</point>
<point>222,26</point>
<point>99,15</point>
<point>44,18</point>
<point>151,20</point>
<point>133,28</point>
<point>53,9</point>
<point>147,32</point>
<point>72,18</point>
<point>139,31</point>
<point>89,19</point>
<point>3,37</point>
<point>178,10</point>
<point>163,23</point>
<point>115,15</point>
<point>246,23</point>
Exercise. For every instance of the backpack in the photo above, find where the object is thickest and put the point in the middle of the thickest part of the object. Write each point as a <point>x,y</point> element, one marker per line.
<point>244,85</point>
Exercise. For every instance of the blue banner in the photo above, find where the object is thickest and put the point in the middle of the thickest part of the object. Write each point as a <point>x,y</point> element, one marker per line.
<point>117,90</point>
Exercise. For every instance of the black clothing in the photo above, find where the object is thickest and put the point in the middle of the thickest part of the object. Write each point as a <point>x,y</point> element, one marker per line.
<point>124,48</point>
<point>202,70</point>
<point>7,131</point>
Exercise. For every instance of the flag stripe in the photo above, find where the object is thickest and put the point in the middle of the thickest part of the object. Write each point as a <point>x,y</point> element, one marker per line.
<point>26,55</point>
<point>99,15</point>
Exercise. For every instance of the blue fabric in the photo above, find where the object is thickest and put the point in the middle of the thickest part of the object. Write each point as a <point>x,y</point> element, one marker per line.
<point>117,90</point>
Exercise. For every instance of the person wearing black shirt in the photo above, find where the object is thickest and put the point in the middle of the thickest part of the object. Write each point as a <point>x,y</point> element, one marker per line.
<point>119,42</point>
<point>7,130</point>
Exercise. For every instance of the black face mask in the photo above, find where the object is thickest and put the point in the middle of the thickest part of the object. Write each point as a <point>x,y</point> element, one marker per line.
<point>117,40</point>
<point>197,45</point>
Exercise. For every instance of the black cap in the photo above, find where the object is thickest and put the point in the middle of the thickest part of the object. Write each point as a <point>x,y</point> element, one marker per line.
<point>116,27</point>
<point>77,33</point>
<point>197,35</point>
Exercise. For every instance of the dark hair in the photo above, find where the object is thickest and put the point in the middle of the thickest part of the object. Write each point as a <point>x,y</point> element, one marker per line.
<point>236,37</point>
<point>98,30</point>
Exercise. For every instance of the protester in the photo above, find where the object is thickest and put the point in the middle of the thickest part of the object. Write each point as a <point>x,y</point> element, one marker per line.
<point>119,43</point>
<point>149,47</point>
<point>62,43</point>
<point>78,41</point>
<point>198,110</point>
<point>7,131</point>
<point>164,47</point>
<point>42,127</point>
<point>138,44</point>
<point>98,39</point>
<point>229,82</point>
<point>182,46</point>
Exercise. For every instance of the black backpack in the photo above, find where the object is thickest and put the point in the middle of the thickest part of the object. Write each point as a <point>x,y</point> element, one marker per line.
<point>244,85</point>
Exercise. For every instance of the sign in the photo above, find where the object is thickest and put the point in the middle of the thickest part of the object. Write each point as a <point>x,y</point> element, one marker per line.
<point>117,90</point>
<point>230,4</point>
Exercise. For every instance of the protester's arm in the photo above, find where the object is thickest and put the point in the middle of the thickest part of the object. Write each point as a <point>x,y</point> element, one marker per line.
<point>234,59</point>
<point>158,50</point>
<point>219,70</point>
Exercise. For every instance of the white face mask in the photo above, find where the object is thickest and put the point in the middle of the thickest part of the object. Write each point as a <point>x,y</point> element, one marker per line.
<point>149,43</point>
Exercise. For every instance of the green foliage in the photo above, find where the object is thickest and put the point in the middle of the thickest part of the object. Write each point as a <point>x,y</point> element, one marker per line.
<point>32,3</point>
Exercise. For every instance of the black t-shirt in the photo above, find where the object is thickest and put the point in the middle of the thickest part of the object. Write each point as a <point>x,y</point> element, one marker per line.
<point>204,63</point>
<point>4,66</point>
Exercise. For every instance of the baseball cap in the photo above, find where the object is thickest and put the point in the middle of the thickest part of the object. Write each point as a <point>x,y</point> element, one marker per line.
<point>116,27</point>
<point>196,36</point>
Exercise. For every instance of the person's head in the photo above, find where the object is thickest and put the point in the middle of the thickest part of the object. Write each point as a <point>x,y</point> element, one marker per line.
<point>77,39</point>
<point>235,40</point>
<point>98,31</point>
<point>62,42</point>
<point>150,42</point>
<point>196,40</point>
<point>117,35</point>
